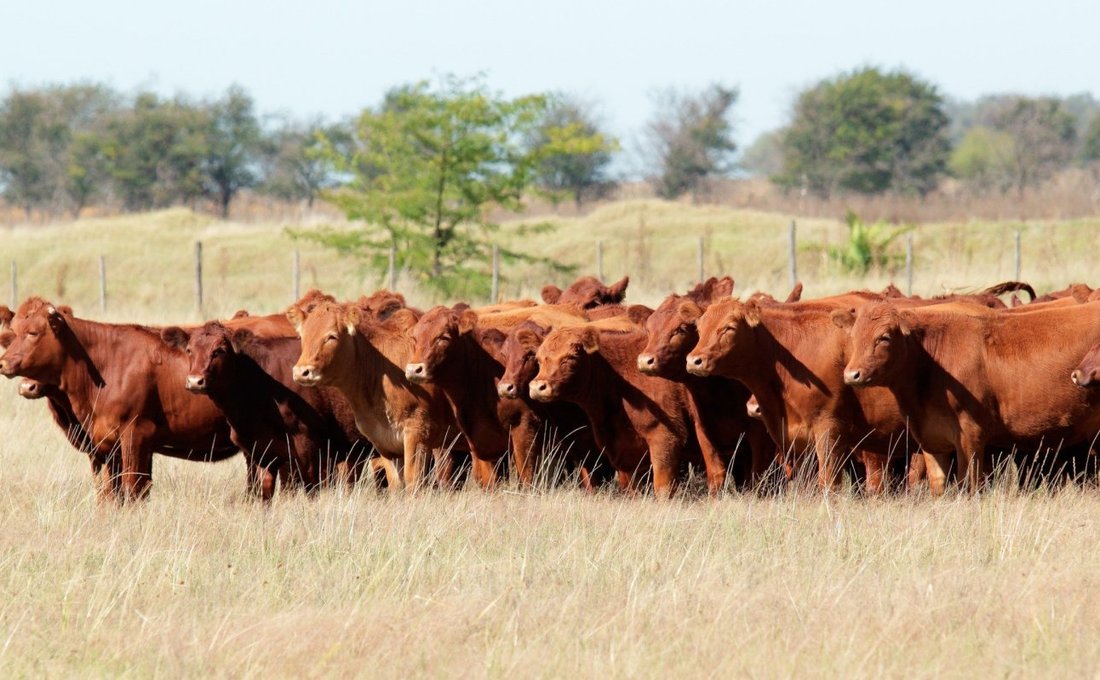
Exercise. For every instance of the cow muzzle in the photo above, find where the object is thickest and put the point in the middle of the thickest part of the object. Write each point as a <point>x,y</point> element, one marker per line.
<point>417,373</point>
<point>507,390</point>
<point>1083,378</point>
<point>307,375</point>
<point>698,364</point>
<point>196,384</point>
<point>540,390</point>
<point>752,407</point>
<point>855,377</point>
<point>7,368</point>
<point>647,363</point>
<point>30,389</point>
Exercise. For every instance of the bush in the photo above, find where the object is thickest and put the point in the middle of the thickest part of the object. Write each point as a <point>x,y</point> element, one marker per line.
<point>867,245</point>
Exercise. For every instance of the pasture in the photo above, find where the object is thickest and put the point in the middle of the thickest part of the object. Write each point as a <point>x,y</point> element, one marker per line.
<point>543,583</point>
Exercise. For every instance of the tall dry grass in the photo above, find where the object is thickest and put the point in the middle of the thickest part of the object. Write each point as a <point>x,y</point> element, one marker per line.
<point>551,583</point>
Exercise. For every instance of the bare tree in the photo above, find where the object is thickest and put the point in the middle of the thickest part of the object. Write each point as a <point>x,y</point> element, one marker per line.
<point>690,140</point>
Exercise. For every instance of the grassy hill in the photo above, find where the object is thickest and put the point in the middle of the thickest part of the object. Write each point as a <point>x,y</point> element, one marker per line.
<point>150,257</point>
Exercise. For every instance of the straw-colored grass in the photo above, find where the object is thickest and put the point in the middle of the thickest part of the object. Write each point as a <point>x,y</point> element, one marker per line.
<point>200,581</point>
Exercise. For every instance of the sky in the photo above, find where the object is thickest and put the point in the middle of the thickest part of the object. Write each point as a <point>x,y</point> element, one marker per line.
<point>332,58</point>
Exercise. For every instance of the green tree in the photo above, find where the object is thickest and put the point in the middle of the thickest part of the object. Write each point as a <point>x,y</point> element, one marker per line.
<point>690,140</point>
<point>426,170</point>
<point>295,165</point>
<point>764,157</point>
<point>232,147</point>
<point>574,154</point>
<point>867,132</point>
<point>155,153</point>
<point>1044,136</point>
<point>984,159</point>
<point>1090,145</point>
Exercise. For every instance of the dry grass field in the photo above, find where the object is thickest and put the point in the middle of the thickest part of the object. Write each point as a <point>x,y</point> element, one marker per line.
<point>551,583</point>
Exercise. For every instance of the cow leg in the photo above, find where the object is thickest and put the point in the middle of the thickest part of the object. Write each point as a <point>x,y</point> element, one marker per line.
<point>829,467</point>
<point>665,464</point>
<point>108,475</point>
<point>937,466</point>
<point>525,449</point>
<point>874,466</point>
<point>137,466</point>
<point>971,465</point>
<point>266,476</point>
<point>416,459</point>
<point>917,473</point>
<point>484,472</point>
<point>625,480</point>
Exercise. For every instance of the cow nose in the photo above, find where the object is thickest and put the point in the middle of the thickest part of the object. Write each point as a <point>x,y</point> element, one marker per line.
<point>540,389</point>
<point>28,389</point>
<point>416,372</point>
<point>4,367</point>
<point>196,383</point>
<point>696,364</point>
<point>646,362</point>
<point>306,375</point>
<point>854,377</point>
<point>507,390</point>
<point>1083,378</point>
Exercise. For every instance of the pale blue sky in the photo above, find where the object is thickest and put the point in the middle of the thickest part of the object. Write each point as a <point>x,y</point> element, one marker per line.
<point>332,58</point>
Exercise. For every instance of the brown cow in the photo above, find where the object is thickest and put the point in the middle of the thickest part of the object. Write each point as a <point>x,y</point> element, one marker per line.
<point>641,422</point>
<point>587,292</point>
<point>721,427</point>
<point>282,428</point>
<point>123,386</point>
<point>365,359</point>
<point>789,356</point>
<point>972,382</point>
<point>460,351</point>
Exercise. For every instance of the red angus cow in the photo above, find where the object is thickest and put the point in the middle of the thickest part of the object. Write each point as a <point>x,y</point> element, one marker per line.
<point>972,382</point>
<point>283,429</point>
<point>124,387</point>
<point>722,425</point>
<point>588,292</point>
<point>641,422</point>
<point>789,356</point>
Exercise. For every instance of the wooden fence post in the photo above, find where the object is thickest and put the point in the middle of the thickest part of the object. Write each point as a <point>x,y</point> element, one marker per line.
<point>702,258</point>
<point>296,275</point>
<point>495,290</point>
<point>14,286</point>
<point>599,259</point>
<point>1017,277</point>
<point>909,263</point>
<point>102,283</point>
<point>393,268</point>
<point>198,274</point>
<point>791,256</point>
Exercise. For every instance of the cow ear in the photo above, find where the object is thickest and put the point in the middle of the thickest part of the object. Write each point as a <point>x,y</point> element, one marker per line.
<point>240,314</point>
<point>551,294</point>
<point>723,288</point>
<point>796,293</point>
<point>53,316</point>
<point>353,314</point>
<point>638,314</point>
<point>241,340</point>
<point>689,311</point>
<point>404,318</point>
<point>617,291</point>
<point>6,338</point>
<point>527,338</point>
<point>175,337</point>
<point>296,317</point>
<point>752,313</point>
<point>1016,301</point>
<point>1080,292</point>
<point>466,321</point>
<point>906,322</point>
<point>844,319</point>
<point>6,315</point>
<point>590,340</point>
<point>493,336</point>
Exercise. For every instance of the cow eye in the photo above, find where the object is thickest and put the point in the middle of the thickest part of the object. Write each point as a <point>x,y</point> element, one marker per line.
<point>884,338</point>
<point>331,338</point>
<point>32,334</point>
<point>217,352</point>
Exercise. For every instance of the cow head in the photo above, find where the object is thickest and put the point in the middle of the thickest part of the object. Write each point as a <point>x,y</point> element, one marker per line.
<point>211,353</point>
<point>725,330</point>
<point>37,342</point>
<point>520,364</point>
<point>673,333</point>
<point>587,292</point>
<point>327,329</point>
<point>381,304</point>
<point>1087,373</point>
<point>563,359</point>
<point>877,341</point>
<point>435,337</point>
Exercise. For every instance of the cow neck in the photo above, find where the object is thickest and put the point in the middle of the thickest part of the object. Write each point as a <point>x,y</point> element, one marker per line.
<point>235,393</point>
<point>62,411</point>
<point>606,384</point>
<point>456,374</point>
<point>771,367</point>
<point>89,345</point>
<point>378,358</point>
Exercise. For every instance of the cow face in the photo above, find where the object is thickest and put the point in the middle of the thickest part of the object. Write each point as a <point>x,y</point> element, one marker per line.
<point>725,330</point>
<point>877,344</point>
<point>36,342</point>
<point>328,332</point>
<point>520,365</point>
<point>1087,373</point>
<point>587,292</point>
<point>210,352</point>
<point>671,336</point>
<point>435,339</point>
<point>563,360</point>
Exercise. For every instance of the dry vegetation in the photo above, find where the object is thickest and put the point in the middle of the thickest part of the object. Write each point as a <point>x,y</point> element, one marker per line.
<point>200,581</point>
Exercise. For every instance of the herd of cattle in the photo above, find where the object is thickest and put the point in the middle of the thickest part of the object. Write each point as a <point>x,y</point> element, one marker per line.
<point>896,391</point>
